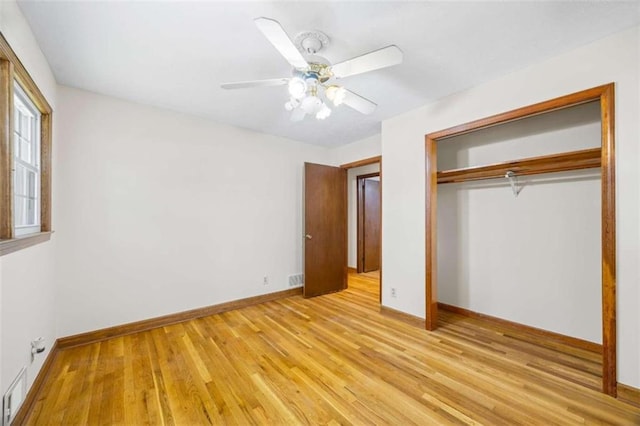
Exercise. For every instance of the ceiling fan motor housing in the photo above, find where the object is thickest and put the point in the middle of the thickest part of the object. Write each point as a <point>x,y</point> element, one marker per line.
<point>319,71</point>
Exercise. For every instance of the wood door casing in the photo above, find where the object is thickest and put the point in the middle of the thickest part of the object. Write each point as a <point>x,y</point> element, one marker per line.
<point>370,225</point>
<point>325,252</point>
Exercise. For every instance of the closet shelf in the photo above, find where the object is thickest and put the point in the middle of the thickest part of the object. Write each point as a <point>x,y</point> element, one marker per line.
<point>574,160</point>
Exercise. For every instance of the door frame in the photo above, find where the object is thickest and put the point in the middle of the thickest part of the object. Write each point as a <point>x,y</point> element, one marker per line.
<point>366,162</point>
<point>605,96</point>
<point>360,219</point>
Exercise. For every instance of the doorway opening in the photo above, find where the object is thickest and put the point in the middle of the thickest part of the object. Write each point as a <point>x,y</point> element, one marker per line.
<point>368,222</point>
<point>365,240</point>
<point>329,239</point>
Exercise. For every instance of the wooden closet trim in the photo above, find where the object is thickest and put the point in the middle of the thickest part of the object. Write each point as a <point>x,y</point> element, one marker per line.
<point>603,94</point>
<point>573,160</point>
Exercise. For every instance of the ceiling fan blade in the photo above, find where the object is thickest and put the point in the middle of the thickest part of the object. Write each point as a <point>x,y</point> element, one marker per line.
<point>255,83</point>
<point>357,102</point>
<point>297,115</point>
<point>274,32</point>
<point>381,58</point>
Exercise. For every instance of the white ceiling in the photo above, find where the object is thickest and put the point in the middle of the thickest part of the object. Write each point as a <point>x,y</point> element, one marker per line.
<point>176,54</point>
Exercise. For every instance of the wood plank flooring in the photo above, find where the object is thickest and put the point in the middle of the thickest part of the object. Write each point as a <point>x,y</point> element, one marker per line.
<point>328,360</point>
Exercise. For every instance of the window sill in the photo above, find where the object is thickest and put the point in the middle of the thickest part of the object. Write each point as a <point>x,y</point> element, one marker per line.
<point>19,243</point>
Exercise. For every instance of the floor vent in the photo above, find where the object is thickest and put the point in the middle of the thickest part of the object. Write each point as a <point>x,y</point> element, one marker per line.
<point>296,280</point>
<point>12,400</point>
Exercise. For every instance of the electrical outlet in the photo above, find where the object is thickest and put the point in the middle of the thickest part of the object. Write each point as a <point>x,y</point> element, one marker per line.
<point>393,292</point>
<point>265,280</point>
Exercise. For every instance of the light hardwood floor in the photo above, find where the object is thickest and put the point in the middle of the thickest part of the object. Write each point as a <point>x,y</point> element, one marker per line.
<point>328,360</point>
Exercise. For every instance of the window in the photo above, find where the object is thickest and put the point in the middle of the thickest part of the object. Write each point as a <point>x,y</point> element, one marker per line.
<point>25,157</point>
<point>26,164</point>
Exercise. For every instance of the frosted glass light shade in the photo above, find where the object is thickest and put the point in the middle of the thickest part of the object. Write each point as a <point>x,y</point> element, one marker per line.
<point>297,87</point>
<point>336,94</point>
<point>324,112</point>
<point>311,104</point>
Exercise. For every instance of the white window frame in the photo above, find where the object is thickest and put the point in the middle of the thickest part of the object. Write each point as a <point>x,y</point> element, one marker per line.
<point>23,101</point>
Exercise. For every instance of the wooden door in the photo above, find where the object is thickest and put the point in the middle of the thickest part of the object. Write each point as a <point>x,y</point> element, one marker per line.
<point>371,225</point>
<point>325,222</point>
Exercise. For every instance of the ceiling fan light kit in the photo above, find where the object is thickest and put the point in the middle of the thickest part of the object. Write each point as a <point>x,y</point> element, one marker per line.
<point>311,76</point>
<point>312,104</point>
<point>297,87</point>
<point>335,94</point>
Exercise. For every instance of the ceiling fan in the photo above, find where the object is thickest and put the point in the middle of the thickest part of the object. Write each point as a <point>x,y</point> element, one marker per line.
<point>312,83</point>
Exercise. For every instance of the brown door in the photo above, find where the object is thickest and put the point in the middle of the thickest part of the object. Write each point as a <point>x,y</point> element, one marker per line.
<point>325,221</point>
<point>371,228</point>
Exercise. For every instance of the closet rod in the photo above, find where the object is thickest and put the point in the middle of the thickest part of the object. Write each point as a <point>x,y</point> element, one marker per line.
<point>573,160</point>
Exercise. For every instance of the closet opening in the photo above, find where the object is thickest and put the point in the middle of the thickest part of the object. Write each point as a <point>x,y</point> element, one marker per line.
<point>502,173</point>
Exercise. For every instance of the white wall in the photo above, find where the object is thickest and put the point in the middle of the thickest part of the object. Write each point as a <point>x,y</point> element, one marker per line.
<point>566,130</point>
<point>352,208</point>
<point>160,212</point>
<point>359,150</point>
<point>612,59</point>
<point>533,259</point>
<point>27,294</point>
<point>28,310</point>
